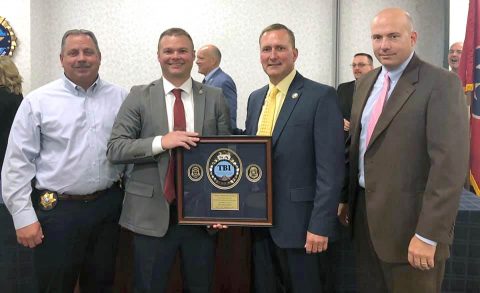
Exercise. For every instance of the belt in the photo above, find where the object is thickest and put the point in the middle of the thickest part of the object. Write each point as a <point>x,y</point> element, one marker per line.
<point>84,197</point>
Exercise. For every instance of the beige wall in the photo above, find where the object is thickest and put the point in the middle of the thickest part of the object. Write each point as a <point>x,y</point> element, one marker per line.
<point>128,33</point>
<point>355,18</point>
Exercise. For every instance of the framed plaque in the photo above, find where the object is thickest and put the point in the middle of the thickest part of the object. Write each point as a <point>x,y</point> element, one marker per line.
<point>226,180</point>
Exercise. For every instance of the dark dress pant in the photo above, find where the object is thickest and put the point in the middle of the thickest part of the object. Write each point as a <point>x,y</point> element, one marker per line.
<point>16,261</point>
<point>376,276</point>
<point>155,256</point>
<point>285,270</point>
<point>80,243</point>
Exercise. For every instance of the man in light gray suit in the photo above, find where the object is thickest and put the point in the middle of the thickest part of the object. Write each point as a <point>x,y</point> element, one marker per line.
<point>145,132</point>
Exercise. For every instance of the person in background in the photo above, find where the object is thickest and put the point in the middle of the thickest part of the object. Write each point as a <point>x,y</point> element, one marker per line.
<point>361,64</point>
<point>57,183</point>
<point>11,253</point>
<point>408,162</point>
<point>454,55</point>
<point>208,62</point>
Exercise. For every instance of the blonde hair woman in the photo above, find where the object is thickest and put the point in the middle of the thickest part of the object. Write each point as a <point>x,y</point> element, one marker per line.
<point>10,79</point>
<point>10,99</point>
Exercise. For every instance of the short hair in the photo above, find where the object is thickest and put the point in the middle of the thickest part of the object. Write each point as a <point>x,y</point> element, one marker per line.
<point>216,52</point>
<point>277,27</point>
<point>9,76</point>
<point>76,32</point>
<point>370,59</point>
<point>175,31</point>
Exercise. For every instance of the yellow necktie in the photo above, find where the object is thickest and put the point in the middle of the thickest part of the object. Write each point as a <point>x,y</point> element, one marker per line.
<point>268,114</point>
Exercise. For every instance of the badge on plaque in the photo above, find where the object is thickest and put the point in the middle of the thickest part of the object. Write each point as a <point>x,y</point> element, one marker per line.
<point>48,200</point>
<point>195,172</point>
<point>224,168</point>
<point>253,173</point>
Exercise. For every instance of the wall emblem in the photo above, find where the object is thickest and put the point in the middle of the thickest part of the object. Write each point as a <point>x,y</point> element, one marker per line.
<point>8,40</point>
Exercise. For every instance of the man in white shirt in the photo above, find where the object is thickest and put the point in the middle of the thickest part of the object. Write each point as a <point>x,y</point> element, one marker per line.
<point>57,144</point>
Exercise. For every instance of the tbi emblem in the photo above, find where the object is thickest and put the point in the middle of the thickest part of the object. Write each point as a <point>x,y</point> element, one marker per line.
<point>224,169</point>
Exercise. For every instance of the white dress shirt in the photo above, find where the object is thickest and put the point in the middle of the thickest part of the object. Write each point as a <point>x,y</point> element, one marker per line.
<point>187,99</point>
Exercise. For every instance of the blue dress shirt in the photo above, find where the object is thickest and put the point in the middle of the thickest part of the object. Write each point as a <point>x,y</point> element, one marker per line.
<point>59,137</point>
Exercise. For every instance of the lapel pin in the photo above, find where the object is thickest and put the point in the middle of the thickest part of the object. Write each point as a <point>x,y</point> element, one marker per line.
<point>294,95</point>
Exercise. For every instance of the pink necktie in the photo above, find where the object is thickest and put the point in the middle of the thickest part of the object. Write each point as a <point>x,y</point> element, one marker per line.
<point>378,107</point>
<point>179,123</point>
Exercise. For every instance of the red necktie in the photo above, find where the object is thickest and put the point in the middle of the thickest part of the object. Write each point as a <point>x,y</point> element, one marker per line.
<point>179,124</point>
<point>378,107</point>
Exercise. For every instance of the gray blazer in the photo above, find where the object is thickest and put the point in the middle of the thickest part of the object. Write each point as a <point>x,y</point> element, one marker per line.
<point>142,117</point>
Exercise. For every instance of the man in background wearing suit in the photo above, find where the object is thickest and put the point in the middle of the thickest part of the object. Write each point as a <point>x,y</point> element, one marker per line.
<point>155,119</point>
<point>361,64</point>
<point>408,162</point>
<point>305,123</point>
<point>208,61</point>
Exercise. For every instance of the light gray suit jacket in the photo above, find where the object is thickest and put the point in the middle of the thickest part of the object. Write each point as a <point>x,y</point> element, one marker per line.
<point>142,117</point>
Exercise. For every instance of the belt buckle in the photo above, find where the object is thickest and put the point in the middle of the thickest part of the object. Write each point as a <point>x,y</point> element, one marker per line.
<point>48,200</point>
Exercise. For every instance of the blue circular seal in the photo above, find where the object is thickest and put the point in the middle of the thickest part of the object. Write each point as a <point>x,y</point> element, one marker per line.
<point>224,168</point>
<point>7,38</point>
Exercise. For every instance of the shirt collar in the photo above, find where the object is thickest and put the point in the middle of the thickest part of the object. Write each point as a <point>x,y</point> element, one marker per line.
<point>186,86</point>
<point>76,88</point>
<point>397,73</point>
<point>285,83</point>
<point>211,73</point>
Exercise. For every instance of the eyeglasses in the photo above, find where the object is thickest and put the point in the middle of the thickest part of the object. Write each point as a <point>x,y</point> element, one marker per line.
<point>360,65</point>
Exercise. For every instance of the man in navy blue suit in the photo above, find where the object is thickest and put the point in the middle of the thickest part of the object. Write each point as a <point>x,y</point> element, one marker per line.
<point>308,168</point>
<point>208,61</point>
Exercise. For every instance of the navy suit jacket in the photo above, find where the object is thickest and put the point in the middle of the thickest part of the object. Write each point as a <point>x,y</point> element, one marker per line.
<point>345,96</point>
<point>222,80</point>
<point>308,160</point>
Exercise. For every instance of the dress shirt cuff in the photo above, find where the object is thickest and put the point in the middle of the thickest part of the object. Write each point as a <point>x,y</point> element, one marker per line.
<point>428,241</point>
<point>24,218</point>
<point>157,145</point>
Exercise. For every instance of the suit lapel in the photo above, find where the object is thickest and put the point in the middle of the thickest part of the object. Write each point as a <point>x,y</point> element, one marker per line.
<point>403,90</point>
<point>198,105</point>
<point>159,108</point>
<point>293,95</point>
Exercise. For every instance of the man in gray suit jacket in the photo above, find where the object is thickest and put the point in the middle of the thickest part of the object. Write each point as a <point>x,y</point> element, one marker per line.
<point>407,170</point>
<point>144,134</point>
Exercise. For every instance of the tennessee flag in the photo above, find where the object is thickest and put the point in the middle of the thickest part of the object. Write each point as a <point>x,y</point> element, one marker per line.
<point>469,72</point>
